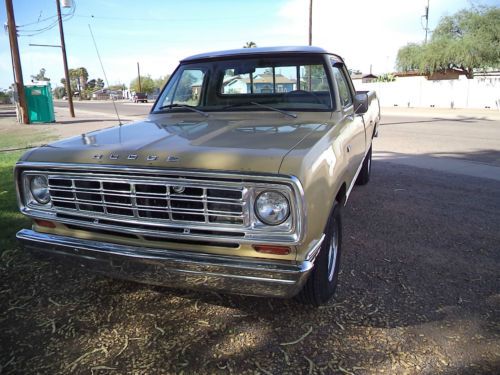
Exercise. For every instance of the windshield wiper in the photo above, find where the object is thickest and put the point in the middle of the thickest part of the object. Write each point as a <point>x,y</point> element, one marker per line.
<point>274,109</point>
<point>176,105</point>
<point>262,106</point>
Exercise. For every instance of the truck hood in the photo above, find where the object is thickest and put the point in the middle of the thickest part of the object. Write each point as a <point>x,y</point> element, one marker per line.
<point>242,143</point>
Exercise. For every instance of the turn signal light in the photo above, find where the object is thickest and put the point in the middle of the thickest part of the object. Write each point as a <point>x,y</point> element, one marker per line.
<point>45,223</point>
<point>272,249</point>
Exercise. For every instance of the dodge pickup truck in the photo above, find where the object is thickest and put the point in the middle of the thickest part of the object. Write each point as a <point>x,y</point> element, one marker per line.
<point>235,182</point>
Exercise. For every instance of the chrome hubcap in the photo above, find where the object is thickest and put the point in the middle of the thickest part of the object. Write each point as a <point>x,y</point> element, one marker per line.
<point>332,253</point>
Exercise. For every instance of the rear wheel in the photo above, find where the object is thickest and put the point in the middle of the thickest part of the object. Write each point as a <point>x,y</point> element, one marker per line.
<point>322,282</point>
<point>366,169</point>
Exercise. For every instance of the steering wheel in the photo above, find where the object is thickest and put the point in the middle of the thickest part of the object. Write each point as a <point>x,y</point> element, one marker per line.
<point>303,93</point>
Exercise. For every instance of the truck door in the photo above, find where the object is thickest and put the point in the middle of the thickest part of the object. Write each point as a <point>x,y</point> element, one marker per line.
<point>353,128</point>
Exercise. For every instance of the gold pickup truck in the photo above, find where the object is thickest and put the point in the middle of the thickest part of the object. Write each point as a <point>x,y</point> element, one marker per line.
<point>235,182</point>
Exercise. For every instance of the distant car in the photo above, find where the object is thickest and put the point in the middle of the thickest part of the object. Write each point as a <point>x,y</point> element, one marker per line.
<point>140,97</point>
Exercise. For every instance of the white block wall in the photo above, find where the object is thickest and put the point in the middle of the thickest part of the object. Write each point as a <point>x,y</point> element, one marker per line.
<point>480,92</point>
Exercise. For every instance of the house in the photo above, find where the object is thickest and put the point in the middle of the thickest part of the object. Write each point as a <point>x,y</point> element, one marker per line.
<point>365,78</point>
<point>262,84</point>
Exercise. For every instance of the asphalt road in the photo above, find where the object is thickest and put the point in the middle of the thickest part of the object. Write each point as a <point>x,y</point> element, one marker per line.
<point>419,290</point>
<point>468,145</point>
<point>106,107</point>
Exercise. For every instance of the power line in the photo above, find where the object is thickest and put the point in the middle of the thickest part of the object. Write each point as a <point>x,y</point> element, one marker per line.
<point>28,33</point>
<point>168,19</point>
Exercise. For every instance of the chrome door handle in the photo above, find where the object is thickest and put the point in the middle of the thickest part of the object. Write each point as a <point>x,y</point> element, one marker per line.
<point>348,148</point>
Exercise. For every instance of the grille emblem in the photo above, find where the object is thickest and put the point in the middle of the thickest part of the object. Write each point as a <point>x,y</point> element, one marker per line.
<point>96,221</point>
<point>186,231</point>
<point>151,157</point>
<point>173,159</point>
<point>178,189</point>
<point>132,157</point>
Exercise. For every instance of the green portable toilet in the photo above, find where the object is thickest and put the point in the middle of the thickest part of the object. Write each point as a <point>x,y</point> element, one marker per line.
<point>40,104</point>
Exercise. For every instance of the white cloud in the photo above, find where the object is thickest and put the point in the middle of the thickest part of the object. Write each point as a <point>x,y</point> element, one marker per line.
<point>363,32</point>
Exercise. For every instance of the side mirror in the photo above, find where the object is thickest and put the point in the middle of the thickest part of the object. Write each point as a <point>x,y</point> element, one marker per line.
<point>361,103</point>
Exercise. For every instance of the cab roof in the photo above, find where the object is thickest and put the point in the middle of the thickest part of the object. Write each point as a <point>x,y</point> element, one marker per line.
<point>259,51</point>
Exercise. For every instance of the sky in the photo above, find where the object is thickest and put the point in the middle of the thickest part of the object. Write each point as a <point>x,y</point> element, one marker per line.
<point>159,33</point>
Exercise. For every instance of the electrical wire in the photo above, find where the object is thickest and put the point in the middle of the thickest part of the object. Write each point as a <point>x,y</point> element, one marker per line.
<point>39,20</point>
<point>28,33</point>
<point>169,19</point>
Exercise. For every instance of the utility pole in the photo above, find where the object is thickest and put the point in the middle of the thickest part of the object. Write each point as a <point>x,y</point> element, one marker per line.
<point>65,60</point>
<point>310,22</point>
<point>139,77</point>
<point>426,15</point>
<point>16,61</point>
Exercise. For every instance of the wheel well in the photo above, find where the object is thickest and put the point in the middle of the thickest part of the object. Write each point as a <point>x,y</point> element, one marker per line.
<point>375,130</point>
<point>341,195</point>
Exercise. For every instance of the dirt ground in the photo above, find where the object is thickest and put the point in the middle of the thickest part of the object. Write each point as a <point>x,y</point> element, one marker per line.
<point>65,126</point>
<point>418,294</point>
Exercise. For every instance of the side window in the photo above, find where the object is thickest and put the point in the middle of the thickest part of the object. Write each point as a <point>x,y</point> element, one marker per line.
<point>188,88</point>
<point>343,86</point>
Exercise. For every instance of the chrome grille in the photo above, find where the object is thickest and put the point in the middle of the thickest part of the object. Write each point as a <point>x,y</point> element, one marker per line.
<point>175,201</point>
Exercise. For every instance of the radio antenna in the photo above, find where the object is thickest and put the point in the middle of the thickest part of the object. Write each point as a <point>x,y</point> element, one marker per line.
<point>104,72</point>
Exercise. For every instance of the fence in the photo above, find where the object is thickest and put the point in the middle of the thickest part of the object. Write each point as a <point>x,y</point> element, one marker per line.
<point>479,92</point>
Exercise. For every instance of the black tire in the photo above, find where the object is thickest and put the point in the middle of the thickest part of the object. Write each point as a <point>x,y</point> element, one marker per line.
<point>366,169</point>
<point>322,282</point>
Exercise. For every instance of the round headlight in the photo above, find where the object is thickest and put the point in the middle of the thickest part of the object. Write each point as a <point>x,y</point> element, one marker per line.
<point>272,207</point>
<point>40,189</point>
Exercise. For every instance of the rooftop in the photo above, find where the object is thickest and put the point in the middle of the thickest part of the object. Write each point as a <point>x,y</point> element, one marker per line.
<point>259,50</point>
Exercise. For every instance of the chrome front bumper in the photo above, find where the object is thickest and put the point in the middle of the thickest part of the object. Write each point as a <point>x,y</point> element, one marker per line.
<point>178,269</point>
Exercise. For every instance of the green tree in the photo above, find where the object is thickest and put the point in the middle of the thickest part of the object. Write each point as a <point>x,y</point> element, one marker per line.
<point>78,78</point>
<point>91,84</point>
<point>99,83</point>
<point>161,81</point>
<point>250,45</point>
<point>59,92</point>
<point>386,77</point>
<point>467,40</point>
<point>40,76</point>
<point>147,84</point>
<point>117,87</point>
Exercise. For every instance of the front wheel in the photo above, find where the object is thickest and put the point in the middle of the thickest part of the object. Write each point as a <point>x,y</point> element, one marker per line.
<point>322,282</point>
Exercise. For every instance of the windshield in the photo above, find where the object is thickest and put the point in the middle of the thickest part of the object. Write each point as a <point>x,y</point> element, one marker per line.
<point>282,83</point>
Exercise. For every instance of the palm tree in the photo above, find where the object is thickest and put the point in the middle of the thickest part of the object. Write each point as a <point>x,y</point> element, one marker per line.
<point>250,45</point>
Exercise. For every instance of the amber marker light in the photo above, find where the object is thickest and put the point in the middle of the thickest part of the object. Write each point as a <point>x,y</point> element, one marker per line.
<point>272,249</point>
<point>45,223</point>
